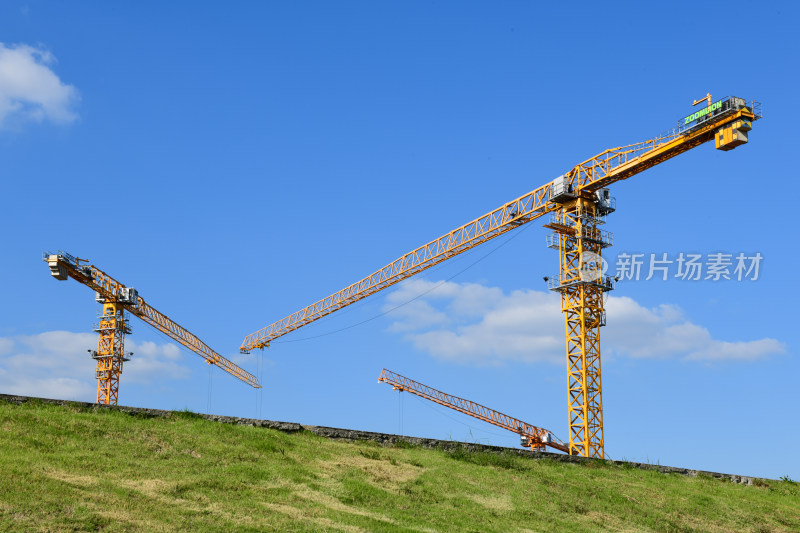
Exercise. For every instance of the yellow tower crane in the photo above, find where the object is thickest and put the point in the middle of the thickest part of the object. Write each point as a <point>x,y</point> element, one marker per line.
<point>116,298</point>
<point>577,202</point>
<point>531,436</point>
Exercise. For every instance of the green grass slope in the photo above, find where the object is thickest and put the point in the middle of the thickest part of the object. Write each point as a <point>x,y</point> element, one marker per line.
<point>76,469</point>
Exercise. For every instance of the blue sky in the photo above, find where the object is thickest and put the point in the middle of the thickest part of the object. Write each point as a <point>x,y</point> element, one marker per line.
<point>235,163</point>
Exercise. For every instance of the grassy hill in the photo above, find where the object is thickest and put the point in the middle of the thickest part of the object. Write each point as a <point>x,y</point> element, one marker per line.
<point>73,469</point>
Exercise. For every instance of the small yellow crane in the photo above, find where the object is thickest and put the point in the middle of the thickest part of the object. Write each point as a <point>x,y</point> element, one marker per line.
<point>530,436</point>
<point>116,298</point>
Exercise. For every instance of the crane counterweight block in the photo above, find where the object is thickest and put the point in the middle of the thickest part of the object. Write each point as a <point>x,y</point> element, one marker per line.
<point>57,270</point>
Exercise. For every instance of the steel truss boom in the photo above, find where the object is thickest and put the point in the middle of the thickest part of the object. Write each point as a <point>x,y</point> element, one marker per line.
<point>601,170</point>
<point>117,298</point>
<point>532,436</point>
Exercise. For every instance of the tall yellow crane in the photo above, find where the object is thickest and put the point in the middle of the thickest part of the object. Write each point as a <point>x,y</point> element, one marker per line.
<point>116,298</point>
<point>577,202</point>
<point>531,436</point>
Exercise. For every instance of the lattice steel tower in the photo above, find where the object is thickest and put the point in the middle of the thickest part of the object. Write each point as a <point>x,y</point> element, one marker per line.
<point>110,353</point>
<point>582,283</point>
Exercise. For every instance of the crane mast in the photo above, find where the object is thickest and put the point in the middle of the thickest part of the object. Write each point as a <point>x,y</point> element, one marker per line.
<point>577,203</point>
<point>116,298</point>
<point>531,436</point>
<point>582,285</point>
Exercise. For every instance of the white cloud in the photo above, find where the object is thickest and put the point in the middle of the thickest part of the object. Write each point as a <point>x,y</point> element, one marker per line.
<point>636,331</point>
<point>151,362</point>
<point>472,323</point>
<point>5,345</point>
<point>56,364</point>
<point>30,90</point>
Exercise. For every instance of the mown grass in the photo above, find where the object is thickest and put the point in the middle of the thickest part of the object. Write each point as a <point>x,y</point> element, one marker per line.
<point>76,469</point>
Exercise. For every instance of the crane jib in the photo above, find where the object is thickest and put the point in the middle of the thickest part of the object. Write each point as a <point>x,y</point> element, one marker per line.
<point>613,165</point>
